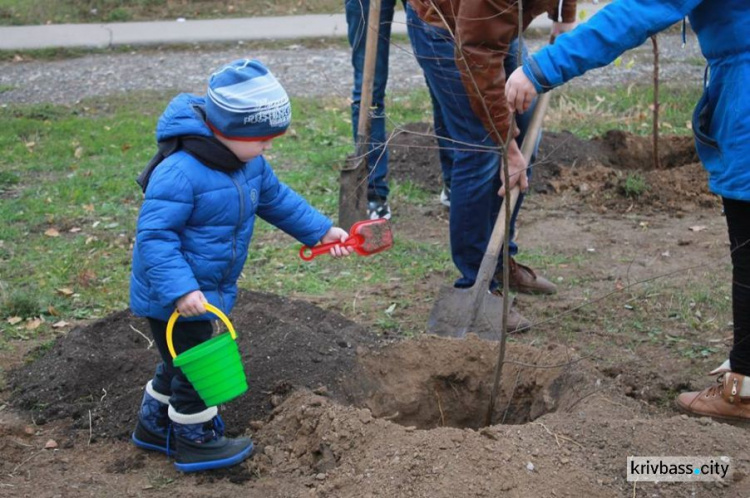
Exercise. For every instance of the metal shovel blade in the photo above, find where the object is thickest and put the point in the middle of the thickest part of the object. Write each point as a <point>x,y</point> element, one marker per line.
<point>461,311</point>
<point>353,191</point>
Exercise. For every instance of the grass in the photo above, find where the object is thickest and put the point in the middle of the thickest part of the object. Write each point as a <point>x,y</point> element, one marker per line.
<point>70,204</point>
<point>592,112</point>
<point>24,12</point>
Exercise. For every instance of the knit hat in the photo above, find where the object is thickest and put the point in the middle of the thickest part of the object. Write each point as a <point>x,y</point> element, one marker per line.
<point>244,101</point>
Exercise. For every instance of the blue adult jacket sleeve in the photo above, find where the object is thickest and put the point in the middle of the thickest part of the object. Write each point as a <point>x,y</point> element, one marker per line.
<point>621,25</point>
<point>166,208</point>
<point>286,209</point>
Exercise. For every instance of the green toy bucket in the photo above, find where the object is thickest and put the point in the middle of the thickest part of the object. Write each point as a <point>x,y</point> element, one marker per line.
<point>214,367</point>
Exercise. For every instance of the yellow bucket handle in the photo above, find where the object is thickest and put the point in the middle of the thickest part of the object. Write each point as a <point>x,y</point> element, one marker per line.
<point>213,309</point>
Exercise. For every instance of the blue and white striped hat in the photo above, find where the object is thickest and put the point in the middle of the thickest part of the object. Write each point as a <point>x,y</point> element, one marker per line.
<point>244,101</point>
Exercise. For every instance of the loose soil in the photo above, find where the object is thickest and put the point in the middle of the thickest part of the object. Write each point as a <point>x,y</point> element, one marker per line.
<point>337,410</point>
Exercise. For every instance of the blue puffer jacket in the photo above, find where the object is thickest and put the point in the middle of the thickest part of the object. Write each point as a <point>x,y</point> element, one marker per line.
<point>196,223</point>
<point>721,121</point>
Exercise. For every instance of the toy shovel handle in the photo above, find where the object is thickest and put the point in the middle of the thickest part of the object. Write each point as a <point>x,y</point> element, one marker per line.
<point>308,253</point>
<point>209,307</point>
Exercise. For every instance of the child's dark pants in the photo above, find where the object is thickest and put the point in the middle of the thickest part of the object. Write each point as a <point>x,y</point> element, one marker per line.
<point>168,379</point>
<point>738,220</point>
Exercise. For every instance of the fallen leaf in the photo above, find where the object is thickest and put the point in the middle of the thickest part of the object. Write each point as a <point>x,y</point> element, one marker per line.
<point>33,324</point>
<point>52,232</point>
<point>60,324</point>
<point>78,152</point>
<point>697,228</point>
<point>14,320</point>
<point>88,207</point>
<point>390,309</point>
<point>52,311</point>
<point>65,291</point>
<point>50,445</point>
<point>74,230</point>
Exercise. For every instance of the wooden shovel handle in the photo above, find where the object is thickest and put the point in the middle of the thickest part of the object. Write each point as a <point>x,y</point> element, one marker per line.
<point>489,261</point>
<point>368,77</point>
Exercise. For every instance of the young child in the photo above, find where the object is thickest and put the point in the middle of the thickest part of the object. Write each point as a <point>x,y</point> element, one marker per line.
<point>203,192</point>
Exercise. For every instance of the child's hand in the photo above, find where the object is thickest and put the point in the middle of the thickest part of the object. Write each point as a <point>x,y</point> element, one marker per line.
<point>191,304</point>
<point>336,234</point>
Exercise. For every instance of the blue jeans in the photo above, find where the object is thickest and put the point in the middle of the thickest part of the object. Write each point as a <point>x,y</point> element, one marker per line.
<point>356,20</point>
<point>445,144</point>
<point>474,175</point>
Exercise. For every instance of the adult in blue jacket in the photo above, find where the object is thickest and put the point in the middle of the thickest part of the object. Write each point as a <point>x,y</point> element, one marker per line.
<point>721,124</point>
<point>203,192</point>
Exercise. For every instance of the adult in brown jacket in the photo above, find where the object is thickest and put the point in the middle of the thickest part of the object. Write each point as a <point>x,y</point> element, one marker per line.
<point>465,48</point>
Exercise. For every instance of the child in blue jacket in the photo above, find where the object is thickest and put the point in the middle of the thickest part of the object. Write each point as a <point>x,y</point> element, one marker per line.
<point>721,124</point>
<point>202,194</point>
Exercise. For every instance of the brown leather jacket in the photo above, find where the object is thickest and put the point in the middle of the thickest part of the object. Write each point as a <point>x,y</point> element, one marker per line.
<point>483,30</point>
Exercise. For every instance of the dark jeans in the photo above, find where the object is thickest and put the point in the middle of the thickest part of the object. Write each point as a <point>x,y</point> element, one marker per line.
<point>474,175</point>
<point>738,221</point>
<point>356,20</point>
<point>168,379</point>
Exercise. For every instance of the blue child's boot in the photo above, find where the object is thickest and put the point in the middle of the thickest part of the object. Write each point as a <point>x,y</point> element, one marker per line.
<point>201,445</point>
<point>153,430</point>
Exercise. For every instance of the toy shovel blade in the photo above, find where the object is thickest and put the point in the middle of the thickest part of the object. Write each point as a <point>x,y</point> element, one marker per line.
<point>365,237</point>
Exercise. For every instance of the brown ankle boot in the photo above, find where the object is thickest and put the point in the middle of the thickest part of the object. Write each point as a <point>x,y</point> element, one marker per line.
<point>516,321</point>
<point>721,401</point>
<point>525,280</point>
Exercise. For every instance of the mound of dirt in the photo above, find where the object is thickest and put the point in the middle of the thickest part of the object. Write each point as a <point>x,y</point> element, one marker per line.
<point>397,419</point>
<point>613,171</point>
<point>99,371</point>
<point>578,451</point>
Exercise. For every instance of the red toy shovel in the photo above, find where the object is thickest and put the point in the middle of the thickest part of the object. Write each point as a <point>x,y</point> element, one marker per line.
<point>365,237</point>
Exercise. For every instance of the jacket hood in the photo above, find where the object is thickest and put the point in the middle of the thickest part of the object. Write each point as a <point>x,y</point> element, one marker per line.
<point>184,115</point>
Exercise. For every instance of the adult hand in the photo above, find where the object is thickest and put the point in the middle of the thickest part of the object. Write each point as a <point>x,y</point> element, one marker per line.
<point>516,171</point>
<point>519,91</point>
<point>559,28</point>
<point>191,304</point>
<point>336,234</point>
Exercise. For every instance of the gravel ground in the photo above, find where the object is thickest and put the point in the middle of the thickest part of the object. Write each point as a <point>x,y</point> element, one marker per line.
<point>303,71</point>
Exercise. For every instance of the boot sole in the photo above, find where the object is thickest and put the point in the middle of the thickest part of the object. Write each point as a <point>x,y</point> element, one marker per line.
<point>216,464</point>
<point>149,446</point>
<point>741,422</point>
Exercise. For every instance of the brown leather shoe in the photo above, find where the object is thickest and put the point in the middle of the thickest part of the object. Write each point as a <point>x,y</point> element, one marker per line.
<point>722,401</point>
<point>516,321</point>
<point>525,280</point>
